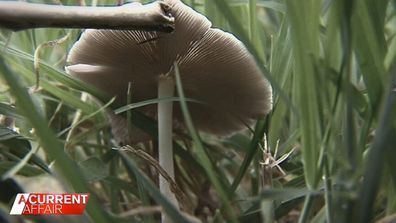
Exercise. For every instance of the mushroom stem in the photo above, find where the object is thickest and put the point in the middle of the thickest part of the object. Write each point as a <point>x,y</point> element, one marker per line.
<point>166,88</point>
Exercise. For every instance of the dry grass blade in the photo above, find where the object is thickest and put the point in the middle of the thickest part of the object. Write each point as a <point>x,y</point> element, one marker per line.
<point>180,195</point>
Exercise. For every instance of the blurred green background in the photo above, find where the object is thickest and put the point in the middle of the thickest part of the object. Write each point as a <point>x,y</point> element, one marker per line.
<point>324,154</point>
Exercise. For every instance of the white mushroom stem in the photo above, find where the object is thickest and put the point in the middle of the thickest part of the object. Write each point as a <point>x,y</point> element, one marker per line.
<point>166,88</point>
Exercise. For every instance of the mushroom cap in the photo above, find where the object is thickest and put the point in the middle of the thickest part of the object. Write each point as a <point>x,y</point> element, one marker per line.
<point>215,68</point>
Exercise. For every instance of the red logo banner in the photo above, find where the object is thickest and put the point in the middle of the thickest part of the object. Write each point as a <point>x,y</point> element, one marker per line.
<point>49,204</point>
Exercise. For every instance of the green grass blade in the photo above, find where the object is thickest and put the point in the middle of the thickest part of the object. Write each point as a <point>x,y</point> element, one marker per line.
<point>49,141</point>
<point>304,19</point>
<point>370,47</point>
<point>150,102</point>
<point>250,154</point>
<point>382,143</point>
<point>201,152</point>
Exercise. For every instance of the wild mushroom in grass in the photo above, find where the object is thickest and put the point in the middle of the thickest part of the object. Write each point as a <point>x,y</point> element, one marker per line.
<point>215,69</point>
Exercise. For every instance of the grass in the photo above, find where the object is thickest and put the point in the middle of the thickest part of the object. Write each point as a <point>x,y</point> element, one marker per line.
<point>332,67</point>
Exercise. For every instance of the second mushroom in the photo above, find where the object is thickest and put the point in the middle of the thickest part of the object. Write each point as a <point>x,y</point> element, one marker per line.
<point>215,69</point>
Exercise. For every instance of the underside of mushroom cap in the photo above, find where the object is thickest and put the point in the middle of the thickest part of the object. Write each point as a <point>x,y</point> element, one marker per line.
<point>219,71</point>
<point>215,68</point>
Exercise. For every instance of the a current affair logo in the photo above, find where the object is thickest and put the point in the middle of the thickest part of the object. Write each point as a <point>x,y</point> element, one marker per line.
<point>49,204</point>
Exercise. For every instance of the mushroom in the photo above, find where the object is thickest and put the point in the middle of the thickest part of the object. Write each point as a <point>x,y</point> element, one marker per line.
<point>215,69</point>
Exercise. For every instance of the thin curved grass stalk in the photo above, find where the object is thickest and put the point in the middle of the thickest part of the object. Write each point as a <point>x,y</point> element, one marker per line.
<point>36,57</point>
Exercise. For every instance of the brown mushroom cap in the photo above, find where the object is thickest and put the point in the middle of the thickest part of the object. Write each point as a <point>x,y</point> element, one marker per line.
<point>215,68</point>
